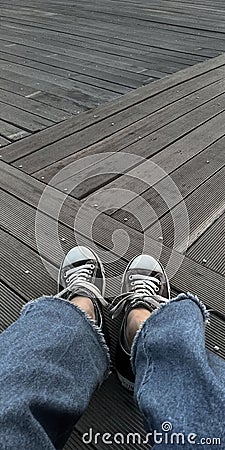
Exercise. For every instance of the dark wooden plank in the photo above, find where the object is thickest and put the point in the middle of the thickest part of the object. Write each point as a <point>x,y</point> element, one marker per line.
<point>145,147</point>
<point>210,246</point>
<point>79,98</point>
<point>97,71</point>
<point>10,306</point>
<point>11,132</point>
<point>133,98</point>
<point>43,97</point>
<point>59,80</point>
<point>23,119</point>
<point>109,126</point>
<point>202,137</point>
<point>86,91</point>
<point>55,70</point>
<point>28,285</point>
<point>32,106</point>
<point>102,44</point>
<point>204,206</point>
<point>172,42</point>
<point>4,142</point>
<point>16,88</point>
<point>79,33</point>
<point>187,179</point>
<point>109,54</point>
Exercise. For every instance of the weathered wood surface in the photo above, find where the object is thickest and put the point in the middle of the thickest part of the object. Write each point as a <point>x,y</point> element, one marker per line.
<point>155,156</point>
<point>58,59</point>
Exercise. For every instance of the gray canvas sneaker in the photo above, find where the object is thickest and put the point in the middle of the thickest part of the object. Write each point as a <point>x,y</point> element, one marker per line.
<point>144,284</point>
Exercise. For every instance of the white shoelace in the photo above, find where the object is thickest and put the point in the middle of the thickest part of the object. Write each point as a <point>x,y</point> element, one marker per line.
<point>144,284</point>
<point>78,279</point>
<point>144,289</point>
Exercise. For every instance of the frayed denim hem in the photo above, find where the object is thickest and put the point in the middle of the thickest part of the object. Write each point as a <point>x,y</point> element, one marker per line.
<point>182,296</point>
<point>97,330</point>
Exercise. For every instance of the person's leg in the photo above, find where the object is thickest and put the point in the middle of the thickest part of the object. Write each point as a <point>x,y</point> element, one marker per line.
<point>179,385</point>
<point>53,358</point>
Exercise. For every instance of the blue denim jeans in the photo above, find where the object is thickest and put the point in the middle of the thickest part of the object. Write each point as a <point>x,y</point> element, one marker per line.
<point>53,358</point>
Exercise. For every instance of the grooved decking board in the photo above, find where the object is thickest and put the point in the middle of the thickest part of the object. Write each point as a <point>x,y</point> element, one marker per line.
<point>182,112</point>
<point>187,178</point>
<point>78,70</point>
<point>27,285</point>
<point>99,54</point>
<point>32,106</point>
<point>3,141</point>
<point>80,99</point>
<point>210,71</point>
<point>91,53</point>
<point>115,45</point>
<point>10,306</point>
<point>144,147</point>
<point>204,205</point>
<point>45,98</point>
<point>211,247</point>
<point>12,132</point>
<point>190,275</point>
<point>76,60</point>
<point>179,133</point>
<point>57,79</point>
<point>134,97</point>
<point>23,119</point>
<point>122,104</point>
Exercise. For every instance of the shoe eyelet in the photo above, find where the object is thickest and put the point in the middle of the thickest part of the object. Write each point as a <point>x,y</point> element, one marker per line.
<point>92,266</point>
<point>130,277</point>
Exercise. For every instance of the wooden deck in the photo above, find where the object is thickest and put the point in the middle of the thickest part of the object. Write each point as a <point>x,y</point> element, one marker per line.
<point>162,146</point>
<point>143,171</point>
<point>60,58</point>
